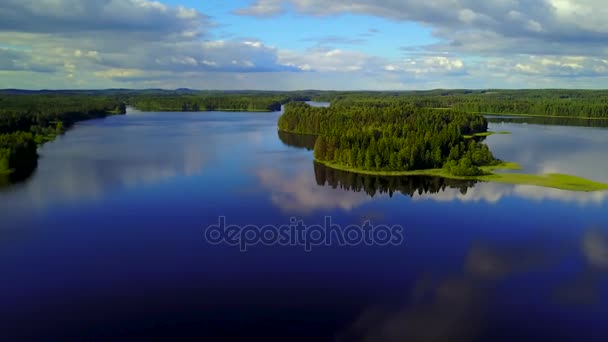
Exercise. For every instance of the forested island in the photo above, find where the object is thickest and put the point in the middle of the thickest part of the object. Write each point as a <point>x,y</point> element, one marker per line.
<point>27,121</point>
<point>397,139</point>
<point>392,138</point>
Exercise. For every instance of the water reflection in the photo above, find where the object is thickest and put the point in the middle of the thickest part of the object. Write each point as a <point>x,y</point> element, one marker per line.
<point>298,192</point>
<point>572,122</point>
<point>429,188</point>
<point>305,141</point>
<point>585,289</point>
<point>447,190</point>
<point>495,192</point>
<point>595,249</point>
<point>543,149</point>
<point>468,306</point>
<point>18,176</point>
<point>410,186</point>
<point>79,176</point>
<point>114,153</point>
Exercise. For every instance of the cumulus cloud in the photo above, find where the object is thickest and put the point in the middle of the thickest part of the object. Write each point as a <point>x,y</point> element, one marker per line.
<point>119,41</point>
<point>11,60</point>
<point>549,19</point>
<point>563,66</point>
<point>428,64</point>
<point>236,56</point>
<point>69,16</point>
<point>549,34</point>
<point>139,43</point>
<point>323,59</point>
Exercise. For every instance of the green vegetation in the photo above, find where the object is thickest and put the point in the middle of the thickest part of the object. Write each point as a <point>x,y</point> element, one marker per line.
<point>196,103</point>
<point>28,120</point>
<point>553,180</point>
<point>392,137</point>
<point>545,102</point>
<point>561,103</point>
<point>483,134</point>
<point>426,172</point>
<point>397,140</point>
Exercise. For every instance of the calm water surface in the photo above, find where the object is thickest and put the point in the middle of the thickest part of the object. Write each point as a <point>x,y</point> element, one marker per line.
<point>106,240</point>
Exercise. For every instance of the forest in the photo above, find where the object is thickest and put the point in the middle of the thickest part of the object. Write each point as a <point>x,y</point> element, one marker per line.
<point>28,120</point>
<point>392,137</point>
<point>196,103</point>
<point>545,102</point>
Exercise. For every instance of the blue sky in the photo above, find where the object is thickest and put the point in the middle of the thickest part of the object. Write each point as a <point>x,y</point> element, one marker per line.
<point>303,44</point>
<point>368,34</point>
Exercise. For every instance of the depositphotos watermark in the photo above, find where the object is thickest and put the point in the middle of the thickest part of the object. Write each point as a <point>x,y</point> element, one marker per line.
<point>299,234</point>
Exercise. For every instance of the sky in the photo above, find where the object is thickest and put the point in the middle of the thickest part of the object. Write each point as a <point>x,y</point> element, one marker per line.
<point>303,44</point>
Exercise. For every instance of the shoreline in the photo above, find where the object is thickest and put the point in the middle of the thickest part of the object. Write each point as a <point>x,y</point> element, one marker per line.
<point>541,116</point>
<point>551,180</point>
<point>527,115</point>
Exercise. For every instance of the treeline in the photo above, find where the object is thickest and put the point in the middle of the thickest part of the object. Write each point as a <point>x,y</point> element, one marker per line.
<point>549,102</point>
<point>373,185</point>
<point>392,138</point>
<point>559,121</point>
<point>27,120</point>
<point>24,112</point>
<point>196,103</point>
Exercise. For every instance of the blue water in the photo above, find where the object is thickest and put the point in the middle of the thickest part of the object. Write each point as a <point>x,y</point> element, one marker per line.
<point>106,241</point>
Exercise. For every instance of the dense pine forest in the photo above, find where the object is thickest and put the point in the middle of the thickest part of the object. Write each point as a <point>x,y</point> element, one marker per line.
<point>550,102</point>
<point>194,103</point>
<point>393,137</point>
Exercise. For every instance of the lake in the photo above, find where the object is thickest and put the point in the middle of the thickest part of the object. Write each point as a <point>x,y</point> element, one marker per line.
<point>107,240</point>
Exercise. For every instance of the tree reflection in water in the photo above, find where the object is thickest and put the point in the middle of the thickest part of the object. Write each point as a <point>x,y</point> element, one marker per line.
<point>372,185</point>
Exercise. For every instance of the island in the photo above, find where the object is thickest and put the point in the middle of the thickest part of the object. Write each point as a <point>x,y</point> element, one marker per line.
<point>397,139</point>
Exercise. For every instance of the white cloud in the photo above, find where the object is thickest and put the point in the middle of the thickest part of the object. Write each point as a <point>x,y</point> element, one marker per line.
<point>493,26</point>
<point>497,43</point>
<point>327,60</point>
